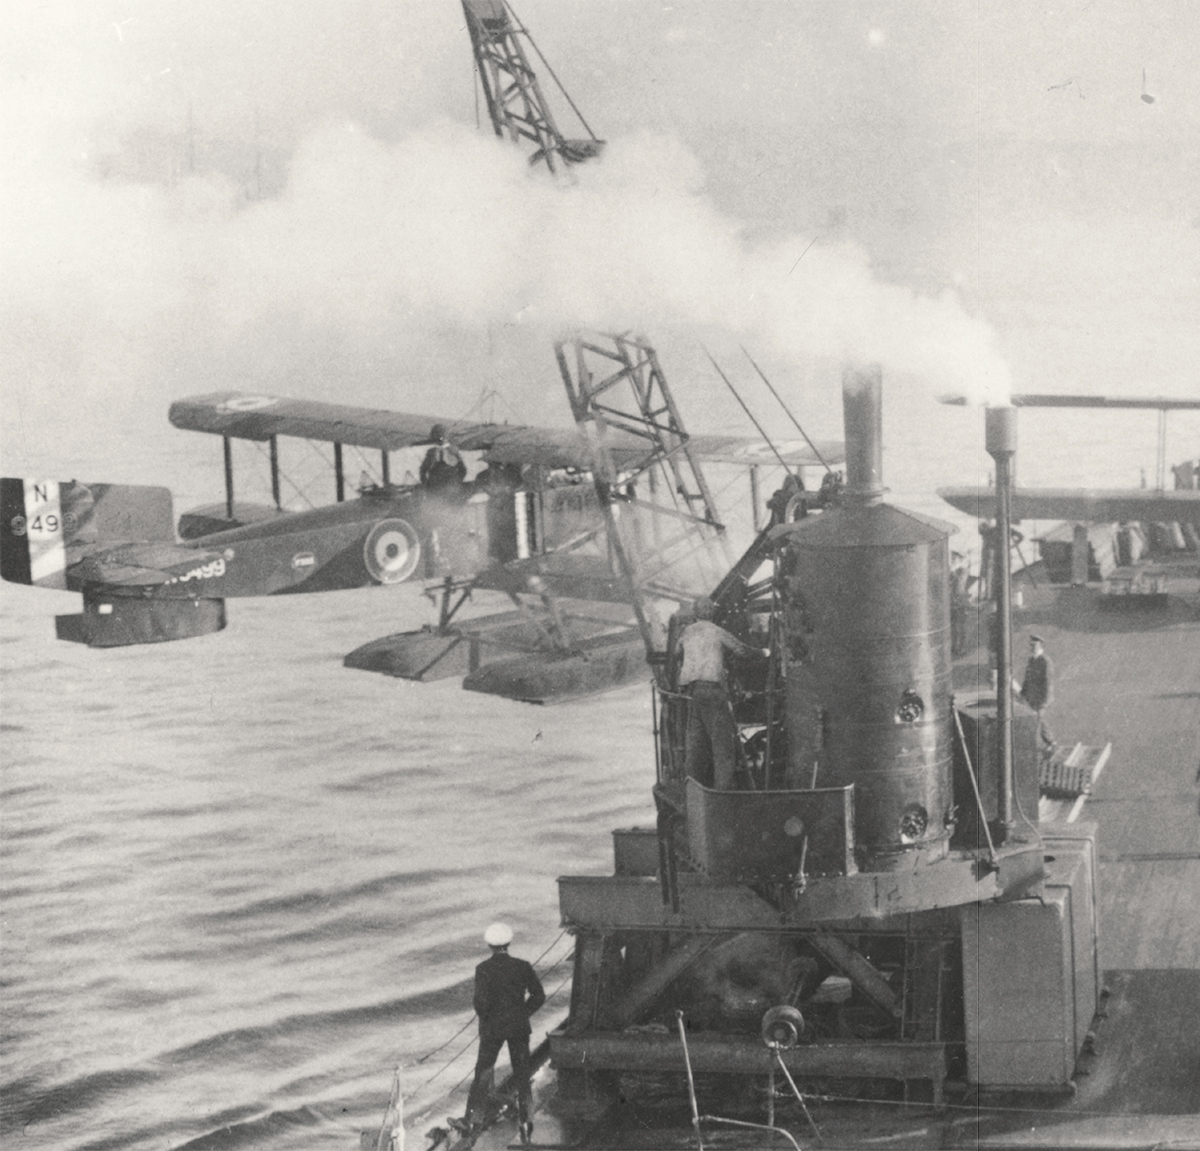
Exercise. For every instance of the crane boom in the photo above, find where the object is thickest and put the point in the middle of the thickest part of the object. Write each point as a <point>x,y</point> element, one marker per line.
<point>664,536</point>
<point>514,97</point>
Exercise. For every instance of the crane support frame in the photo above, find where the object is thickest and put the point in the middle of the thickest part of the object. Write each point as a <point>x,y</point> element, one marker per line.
<point>592,370</point>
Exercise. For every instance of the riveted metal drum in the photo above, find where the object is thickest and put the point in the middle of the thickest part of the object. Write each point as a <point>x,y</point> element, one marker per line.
<point>868,630</point>
<point>869,672</point>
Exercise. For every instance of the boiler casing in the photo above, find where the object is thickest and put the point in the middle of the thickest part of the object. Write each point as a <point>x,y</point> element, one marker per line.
<point>867,621</point>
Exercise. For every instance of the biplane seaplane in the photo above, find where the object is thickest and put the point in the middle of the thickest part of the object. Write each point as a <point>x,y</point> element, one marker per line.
<point>532,523</point>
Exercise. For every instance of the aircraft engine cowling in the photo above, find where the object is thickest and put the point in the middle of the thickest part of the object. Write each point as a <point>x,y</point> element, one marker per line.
<point>392,551</point>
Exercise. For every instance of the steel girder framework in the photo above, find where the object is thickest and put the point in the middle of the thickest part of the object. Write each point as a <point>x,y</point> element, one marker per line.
<point>514,97</point>
<point>671,545</point>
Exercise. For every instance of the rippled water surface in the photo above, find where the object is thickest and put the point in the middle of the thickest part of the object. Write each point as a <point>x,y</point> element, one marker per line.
<point>241,883</point>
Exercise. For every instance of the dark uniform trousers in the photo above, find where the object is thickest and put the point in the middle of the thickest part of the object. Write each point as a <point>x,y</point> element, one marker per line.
<point>507,993</point>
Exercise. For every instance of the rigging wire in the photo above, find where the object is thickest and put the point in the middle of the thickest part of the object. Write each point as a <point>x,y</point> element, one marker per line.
<point>263,454</point>
<point>974,1108</point>
<point>486,394</point>
<point>786,409</point>
<point>550,71</point>
<point>736,396</point>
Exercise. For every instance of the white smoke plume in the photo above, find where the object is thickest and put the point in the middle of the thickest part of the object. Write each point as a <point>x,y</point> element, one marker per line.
<point>450,226</point>
<point>119,292</point>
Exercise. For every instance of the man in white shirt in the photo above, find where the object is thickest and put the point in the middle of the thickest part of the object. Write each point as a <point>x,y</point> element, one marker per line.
<point>710,747</point>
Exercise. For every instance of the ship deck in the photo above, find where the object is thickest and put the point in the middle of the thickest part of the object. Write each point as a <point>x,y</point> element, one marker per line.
<point>1128,673</point>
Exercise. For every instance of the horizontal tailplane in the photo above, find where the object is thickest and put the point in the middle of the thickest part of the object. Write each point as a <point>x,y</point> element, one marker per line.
<point>120,621</point>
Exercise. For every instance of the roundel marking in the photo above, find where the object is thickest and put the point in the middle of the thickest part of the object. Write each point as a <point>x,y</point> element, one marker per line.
<point>391,551</point>
<point>246,404</point>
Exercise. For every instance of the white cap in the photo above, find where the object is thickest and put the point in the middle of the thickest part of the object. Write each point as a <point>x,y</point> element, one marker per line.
<point>498,935</point>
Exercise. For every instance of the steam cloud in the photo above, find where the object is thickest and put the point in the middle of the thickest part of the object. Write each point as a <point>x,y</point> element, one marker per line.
<point>121,285</point>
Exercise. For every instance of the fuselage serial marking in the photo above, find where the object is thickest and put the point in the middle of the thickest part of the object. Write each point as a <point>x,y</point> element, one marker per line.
<point>210,570</point>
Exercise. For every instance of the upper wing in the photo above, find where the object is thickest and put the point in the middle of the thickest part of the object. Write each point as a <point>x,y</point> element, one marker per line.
<point>1071,400</point>
<point>1083,505</point>
<point>258,417</point>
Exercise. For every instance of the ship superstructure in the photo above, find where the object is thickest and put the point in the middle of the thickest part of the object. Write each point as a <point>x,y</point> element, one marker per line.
<point>875,900</point>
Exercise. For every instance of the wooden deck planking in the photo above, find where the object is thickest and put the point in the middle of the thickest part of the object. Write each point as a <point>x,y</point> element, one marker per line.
<point>1131,678</point>
<point>1150,914</point>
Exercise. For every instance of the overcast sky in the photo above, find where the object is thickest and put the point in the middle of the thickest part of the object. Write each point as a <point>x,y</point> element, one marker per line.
<point>293,195</point>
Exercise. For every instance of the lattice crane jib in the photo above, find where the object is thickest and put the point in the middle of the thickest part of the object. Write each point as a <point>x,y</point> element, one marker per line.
<point>516,105</point>
<point>667,539</point>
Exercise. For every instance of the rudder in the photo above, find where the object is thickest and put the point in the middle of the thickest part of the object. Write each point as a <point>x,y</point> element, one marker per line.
<point>45,524</point>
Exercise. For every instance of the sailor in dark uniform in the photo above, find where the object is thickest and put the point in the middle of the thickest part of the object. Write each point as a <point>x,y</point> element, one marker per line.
<point>1037,688</point>
<point>443,469</point>
<point>788,503</point>
<point>507,993</point>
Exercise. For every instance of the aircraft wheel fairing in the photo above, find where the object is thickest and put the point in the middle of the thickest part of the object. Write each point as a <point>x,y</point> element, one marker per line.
<point>392,551</point>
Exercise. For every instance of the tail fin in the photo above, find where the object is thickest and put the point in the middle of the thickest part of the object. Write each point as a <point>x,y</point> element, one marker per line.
<point>41,519</point>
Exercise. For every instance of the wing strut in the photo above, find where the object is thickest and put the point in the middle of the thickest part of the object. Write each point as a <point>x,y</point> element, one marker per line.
<point>227,443</point>
<point>275,471</point>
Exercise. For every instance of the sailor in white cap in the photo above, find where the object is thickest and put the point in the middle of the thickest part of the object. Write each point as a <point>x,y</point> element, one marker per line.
<point>507,993</point>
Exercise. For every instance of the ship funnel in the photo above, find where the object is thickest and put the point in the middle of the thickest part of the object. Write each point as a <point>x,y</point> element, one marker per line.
<point>862,410</point>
